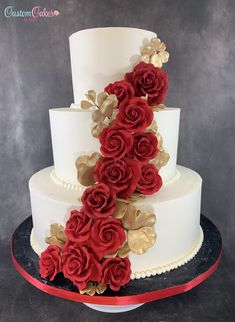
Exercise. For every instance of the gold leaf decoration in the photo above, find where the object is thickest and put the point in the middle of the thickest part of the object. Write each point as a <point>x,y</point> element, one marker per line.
<point>85,165</point>
<point>98,129</point>
<point>104,109</point>
<point>91,95</point>
<point>108,105</point>
<point>93,288</point>
<point>86,105</point>
<point>153,127</point>
<point>128,220</point>
<point>155,53</point>
<point>121,207</point>
<point>140,230</point>
<point>100,288</point>
<point>123,250</point>
<point>135,219</point>
<point>97,116</point>
<point>101,98</point>
<point>58,236</point>
<point>141,240</point>
<point>162,157</point>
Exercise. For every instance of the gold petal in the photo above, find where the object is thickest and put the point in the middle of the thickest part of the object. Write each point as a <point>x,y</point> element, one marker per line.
<point>85,165</point>
<point>143,219</point>
<point>164,55</point>
<point>91,95</point>
<point>141,240</point>
<point>92,160</point>
<point>85,105</point>
<point>90,289</point>
<point>58,236</point>
<point>85,175</point>
<point>55,228</point>
<point>100,288</point>
<point>121,208</point>
<point>108,105</point>
<point>155,43</point>
<point>123,250</point>
<point>54,241</point>
<point>128,220</point>
<point>159,140</point>
<point>101,98</point>
<point>145,58</point>
<point>148,50</point>
<point>89,160</point>
<point>61,236</point>
<point>97,116</point>
<point>81,159</point>
<point>162,47</point>
<point>153,127</point>
<point>98,129</point>
<point>156,60</point>
<point>161,159</point>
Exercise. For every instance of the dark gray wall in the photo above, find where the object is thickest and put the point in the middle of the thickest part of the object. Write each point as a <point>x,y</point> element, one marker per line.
<point>35,75</point>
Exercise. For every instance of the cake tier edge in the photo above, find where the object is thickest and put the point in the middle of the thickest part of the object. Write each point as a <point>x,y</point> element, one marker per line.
<point>177,210</point>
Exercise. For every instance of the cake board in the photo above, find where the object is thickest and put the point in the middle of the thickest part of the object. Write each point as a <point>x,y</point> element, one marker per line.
<point>138,291</point>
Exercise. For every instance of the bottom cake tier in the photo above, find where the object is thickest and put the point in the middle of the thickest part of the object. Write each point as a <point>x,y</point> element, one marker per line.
<point>176,206</point>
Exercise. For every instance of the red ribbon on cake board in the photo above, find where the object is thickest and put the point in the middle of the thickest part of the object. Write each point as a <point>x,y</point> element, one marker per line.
<point>116,300</point>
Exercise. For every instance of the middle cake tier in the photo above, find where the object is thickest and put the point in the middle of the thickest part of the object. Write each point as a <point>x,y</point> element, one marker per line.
<point>71,138</point>
<point>176,206</point>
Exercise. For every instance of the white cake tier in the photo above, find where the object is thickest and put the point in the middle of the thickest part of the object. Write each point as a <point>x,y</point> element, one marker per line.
<point>71,137</point>
<point>101,56</point>
<point>177,209</point>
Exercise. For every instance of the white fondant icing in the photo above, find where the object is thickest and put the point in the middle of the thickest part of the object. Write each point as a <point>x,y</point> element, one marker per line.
<point>101,56</point>
<point>71,137</point>
<point>177,209</point>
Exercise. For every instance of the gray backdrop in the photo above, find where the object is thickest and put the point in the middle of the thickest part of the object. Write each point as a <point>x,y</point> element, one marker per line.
<point>35,75</point>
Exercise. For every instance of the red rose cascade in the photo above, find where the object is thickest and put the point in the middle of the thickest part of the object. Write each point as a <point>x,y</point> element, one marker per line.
<point>95,233</point>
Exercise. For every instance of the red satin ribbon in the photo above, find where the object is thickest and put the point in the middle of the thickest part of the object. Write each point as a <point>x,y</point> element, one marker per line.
<point>117,300</point>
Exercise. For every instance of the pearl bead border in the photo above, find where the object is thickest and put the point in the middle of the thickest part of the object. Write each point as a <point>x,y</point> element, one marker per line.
<point>173,265</point>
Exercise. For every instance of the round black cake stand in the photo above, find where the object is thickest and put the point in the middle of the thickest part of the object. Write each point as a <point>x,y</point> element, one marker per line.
<point>138,291</point>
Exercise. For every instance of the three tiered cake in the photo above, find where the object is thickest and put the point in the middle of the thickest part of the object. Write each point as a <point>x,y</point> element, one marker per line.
<point>115,206</point>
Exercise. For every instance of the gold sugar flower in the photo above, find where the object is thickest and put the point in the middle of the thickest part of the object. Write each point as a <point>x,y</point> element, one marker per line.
<point>58,236</point>
<point>155,53</point>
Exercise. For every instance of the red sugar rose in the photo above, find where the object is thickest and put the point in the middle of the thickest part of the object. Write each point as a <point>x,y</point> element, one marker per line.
<point>121,175</point>
<point>98,201</point>
<point>78,226</point>
<point>107,235</point>
<point>80,265</point>
<point>151,80</point>
<point>116,272</point>
<point>135,115</point>
<point>122,89</point>
<point>115,142</point>
<point>150,181</point>
<point>144,146</point>
<point>50,262</point>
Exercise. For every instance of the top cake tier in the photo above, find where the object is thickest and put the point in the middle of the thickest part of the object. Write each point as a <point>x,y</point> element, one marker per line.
<point>101,56</point>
